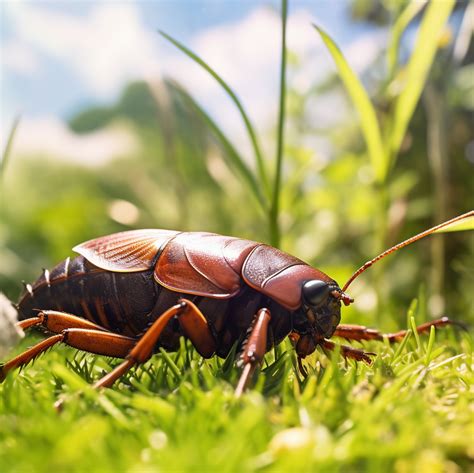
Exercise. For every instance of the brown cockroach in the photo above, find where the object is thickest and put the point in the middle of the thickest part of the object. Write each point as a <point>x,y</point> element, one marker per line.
<point>129,293</point>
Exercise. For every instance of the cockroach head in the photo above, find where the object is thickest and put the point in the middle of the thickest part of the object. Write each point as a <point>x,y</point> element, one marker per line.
<point>321,301</point>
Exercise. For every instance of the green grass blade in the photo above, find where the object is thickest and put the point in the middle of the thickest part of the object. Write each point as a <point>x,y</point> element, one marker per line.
<point>401,345</point>
<point>419,64</point>
<point>412,9</point>
<point>171,364</point>
<point>231,155</point>
<point>465,224</point>
<point>365,109</point>
<point>248,124</point>
<point>8,146</point>
<point>274,226</point>
<point>415,332</point>
<point>429,348</point>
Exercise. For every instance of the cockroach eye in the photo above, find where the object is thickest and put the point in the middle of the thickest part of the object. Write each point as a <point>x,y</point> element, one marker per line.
<point>315,292</point>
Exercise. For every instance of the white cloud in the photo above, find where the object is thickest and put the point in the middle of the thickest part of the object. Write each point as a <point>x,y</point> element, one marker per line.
<point>20,58</point>
<point>106,48</point>
<point>362,52</point>
<point>246,54</point>
<point>111,45</point>
<point>50,136</point>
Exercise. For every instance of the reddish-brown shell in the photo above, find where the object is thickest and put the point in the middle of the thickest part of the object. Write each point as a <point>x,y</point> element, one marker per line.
<point>131,251</point>
<point>279,275</point>
<point>204,264</point>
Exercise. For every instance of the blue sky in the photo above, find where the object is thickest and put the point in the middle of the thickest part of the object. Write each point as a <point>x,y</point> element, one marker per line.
<point>58,57</point>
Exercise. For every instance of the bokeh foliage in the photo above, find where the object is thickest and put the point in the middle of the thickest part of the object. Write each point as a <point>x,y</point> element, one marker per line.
<point>335,213</point>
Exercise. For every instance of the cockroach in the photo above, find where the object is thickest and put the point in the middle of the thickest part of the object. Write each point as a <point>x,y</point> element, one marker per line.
<point>130,293</point>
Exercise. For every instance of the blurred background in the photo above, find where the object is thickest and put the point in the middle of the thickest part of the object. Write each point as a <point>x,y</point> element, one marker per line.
<point>112,136</point>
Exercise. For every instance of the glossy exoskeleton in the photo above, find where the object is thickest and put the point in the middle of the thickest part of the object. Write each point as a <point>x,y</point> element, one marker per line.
<point>129,293</point>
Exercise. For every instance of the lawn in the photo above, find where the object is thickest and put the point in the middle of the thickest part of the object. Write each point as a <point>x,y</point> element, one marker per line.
<point>409,411</point>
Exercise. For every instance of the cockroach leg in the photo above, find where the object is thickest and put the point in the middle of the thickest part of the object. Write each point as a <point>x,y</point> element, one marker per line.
<point>359,332</point>
<point>193,323</point>
<point>348,352</point>
<point>301,368</point>
<point>55,321</point>
<point>73,331</point>
<point>93,341</point>
<point>254,349</point>
<point>196,328</point>
<point>423,328</point>
<point>143,349</point>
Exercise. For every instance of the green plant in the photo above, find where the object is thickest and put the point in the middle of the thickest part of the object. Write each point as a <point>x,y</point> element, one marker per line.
<point>267,194</point>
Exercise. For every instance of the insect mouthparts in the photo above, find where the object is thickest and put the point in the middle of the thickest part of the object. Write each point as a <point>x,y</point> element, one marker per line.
<point>342,296</point>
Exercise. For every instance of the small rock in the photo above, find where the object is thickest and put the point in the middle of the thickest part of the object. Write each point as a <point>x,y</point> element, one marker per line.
<point>9,333</point>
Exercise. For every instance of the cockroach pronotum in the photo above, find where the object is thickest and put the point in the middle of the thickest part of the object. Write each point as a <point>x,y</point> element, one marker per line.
<point>129,293</point>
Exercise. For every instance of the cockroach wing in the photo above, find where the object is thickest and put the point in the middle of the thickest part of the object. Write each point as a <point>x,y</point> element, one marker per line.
<point>130,251</point>
<point>203,264</point>
<point>279,275</point>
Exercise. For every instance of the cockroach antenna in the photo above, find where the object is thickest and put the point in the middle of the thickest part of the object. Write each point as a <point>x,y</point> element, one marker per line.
<point>407,242</point>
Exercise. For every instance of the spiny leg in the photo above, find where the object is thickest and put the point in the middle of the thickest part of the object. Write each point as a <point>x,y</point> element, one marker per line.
<point>254,349</point>
<point>194,325</point>
<point>53,321</point>
<point>359,332</point>
<point>348,352</point>
<point>93,341</point>
<point>56,322</point>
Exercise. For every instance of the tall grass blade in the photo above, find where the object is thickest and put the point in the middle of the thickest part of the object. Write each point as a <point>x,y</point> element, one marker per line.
<point>274,225</point>
<point>401,345</point>
<point>419,64</point>
<point>248,124</point>
<point>8,146</point>
<point>429,348</point>
<point>415,332</point>
<point>365,109</point>
<point>412,9</point>
<point>231,155</point>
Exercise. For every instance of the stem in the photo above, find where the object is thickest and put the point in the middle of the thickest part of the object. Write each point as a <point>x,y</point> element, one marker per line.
<point>382,226</point>
<point>248,125</point>
<point>438,160</point>
<point>275,208</point>
<point>4,159</point>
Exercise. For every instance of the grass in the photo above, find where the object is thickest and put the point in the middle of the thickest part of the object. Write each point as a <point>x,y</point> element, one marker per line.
<point>409,411</point>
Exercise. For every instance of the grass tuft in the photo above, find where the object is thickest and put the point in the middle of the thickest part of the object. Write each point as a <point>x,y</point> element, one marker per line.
<point>178,412</point>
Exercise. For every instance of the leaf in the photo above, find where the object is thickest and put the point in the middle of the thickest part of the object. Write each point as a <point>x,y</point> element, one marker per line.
<point>8,146</point>
<point>419,64</point>
<point>248,125</point>
<point>231,155</point>
<point>365,109</point>
<point>466,224</point>
<point>398,28</point>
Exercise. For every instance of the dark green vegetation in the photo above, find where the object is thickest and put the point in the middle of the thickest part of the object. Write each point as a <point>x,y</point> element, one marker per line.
<point>404,172</point>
